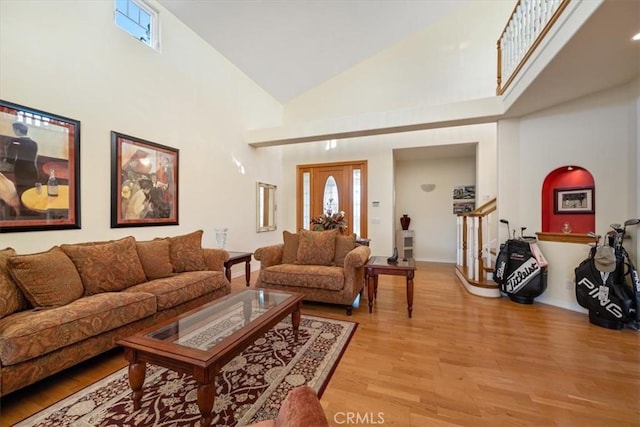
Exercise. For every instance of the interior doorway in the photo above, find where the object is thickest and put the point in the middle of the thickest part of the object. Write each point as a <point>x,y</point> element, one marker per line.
<point>333,187</point>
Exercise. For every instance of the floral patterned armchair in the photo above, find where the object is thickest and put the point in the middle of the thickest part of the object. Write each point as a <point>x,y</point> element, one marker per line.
<point>323,265</point>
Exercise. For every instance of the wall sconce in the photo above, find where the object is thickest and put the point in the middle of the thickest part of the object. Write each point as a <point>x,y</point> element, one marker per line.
<point>428,188</point>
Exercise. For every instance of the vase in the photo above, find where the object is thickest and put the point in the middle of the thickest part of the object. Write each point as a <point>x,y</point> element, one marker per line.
<point>405,221</point>
<point>221,237</point>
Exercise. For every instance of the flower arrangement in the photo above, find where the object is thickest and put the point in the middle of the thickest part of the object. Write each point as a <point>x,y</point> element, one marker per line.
<point>329,221</point>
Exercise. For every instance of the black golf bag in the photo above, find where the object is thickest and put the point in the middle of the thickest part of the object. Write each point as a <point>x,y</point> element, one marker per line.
<point>611,301</point>
<point>521,270</point>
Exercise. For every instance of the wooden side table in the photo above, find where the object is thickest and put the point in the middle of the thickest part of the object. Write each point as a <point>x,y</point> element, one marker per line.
<point>236,258</point>
<point>378,265</point>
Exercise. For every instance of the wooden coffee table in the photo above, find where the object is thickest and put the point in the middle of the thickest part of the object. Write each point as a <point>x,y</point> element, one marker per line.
<point>379,265</point>
<point>201,341</point>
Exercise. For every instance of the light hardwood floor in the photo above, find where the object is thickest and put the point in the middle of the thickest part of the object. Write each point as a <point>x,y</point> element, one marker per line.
<point>461,360</point>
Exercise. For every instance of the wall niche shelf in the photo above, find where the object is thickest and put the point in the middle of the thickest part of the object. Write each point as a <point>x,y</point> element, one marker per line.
<point>579,238</point>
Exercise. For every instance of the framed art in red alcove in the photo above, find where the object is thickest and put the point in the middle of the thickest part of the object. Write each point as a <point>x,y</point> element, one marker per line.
<point>577,200</point>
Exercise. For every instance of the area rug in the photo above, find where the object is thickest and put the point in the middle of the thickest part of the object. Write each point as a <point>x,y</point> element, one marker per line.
<point>250,388</point>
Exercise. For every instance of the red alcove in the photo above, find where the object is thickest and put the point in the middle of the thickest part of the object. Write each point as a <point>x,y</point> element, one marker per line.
<point>563,178</point>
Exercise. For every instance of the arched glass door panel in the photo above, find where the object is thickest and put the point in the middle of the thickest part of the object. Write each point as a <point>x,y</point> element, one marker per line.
<point>331,200</point>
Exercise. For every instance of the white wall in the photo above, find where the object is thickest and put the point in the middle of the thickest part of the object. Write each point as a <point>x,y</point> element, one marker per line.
<point>68,58</point>
<point>637,163</point>
<point>509,170</point>
<point>452,60</point>
<point>599,133</point>
<point>378,151</point>
<point>432,217</point>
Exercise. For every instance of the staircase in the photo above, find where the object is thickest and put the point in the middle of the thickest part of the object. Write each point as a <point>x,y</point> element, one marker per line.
<point>476,249</point>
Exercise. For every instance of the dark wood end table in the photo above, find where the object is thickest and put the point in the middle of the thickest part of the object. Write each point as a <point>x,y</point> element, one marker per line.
<point>236,258</point>
<point>379,265</point>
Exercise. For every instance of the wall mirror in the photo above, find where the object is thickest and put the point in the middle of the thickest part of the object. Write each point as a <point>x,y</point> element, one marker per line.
<point>266,207</point>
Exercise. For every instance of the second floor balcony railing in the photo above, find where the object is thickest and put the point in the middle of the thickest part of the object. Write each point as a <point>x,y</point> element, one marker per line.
<point>529,22</point>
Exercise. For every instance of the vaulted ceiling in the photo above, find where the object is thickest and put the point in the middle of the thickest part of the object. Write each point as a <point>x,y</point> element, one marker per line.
<point>289,46</point>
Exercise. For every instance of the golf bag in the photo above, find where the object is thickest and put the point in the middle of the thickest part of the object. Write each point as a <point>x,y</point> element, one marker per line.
<point>611,301</point>
<point>521,270</point>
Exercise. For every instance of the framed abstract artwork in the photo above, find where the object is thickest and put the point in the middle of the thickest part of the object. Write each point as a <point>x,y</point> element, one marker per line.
<point>39,170</point>
<point>144,182</point>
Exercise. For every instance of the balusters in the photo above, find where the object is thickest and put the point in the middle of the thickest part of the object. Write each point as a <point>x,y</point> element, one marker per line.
<point>526,24</point>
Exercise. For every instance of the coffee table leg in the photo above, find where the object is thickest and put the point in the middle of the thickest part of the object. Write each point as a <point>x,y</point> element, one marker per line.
<point>295,320</point>
<point>410,292</point>
<point>137,371</point>
<point>206,396</point>
<point>247,309</point>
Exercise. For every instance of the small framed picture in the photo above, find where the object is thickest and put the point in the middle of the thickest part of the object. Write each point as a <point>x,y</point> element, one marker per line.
<point>574,200</point>
<point>144,182</point>
<point>39,170</point>
<point>464,199</point>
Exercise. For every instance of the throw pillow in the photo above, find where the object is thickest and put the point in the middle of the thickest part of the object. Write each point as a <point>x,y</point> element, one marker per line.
<point>154,256</point>
<point>317,247</point>
<point>11,297</point>
<point>48,279</point>
<point>107,267</point>
<point>290,250</point>
<point>186,252</point>
<point>344,245</point>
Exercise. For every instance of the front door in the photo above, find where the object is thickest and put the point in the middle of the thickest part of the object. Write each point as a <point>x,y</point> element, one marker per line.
<point>333,187</point>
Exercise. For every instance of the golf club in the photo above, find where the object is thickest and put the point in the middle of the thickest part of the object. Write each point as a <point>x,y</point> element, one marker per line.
<point>504,221</point>
<point>629,222</point>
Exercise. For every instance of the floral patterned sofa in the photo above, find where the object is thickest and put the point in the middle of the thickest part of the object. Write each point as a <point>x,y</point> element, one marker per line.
<point>74,301</point>
<point>323,265</point>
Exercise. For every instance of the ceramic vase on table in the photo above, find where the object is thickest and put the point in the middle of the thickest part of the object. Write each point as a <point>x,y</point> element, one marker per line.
<point>405,221</point>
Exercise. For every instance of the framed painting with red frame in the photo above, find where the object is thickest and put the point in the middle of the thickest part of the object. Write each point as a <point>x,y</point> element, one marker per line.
<point>39,170</point>
<point>144,182</point>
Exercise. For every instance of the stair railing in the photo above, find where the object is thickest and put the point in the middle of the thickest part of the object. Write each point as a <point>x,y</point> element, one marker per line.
<point>473,229</point>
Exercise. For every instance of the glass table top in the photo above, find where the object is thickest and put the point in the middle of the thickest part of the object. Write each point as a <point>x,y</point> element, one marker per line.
<point>218,319</point>
<point>381,261</point>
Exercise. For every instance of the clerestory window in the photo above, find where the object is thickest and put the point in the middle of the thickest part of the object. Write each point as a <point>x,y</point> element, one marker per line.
<point>138,19</point>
